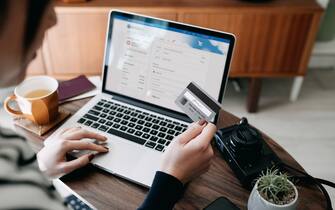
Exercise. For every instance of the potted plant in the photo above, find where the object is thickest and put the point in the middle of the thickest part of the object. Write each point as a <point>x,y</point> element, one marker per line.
<point>273,191</point>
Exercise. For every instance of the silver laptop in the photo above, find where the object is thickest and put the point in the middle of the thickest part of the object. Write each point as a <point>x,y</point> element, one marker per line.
<point>148,62</point>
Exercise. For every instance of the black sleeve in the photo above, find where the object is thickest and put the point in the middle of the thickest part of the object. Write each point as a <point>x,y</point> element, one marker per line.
<point>165,191</point>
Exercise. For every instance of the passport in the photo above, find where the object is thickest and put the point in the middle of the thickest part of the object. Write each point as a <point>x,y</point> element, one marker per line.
<point>74,87</point>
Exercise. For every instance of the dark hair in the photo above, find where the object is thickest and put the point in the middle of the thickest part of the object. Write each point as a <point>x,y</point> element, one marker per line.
<point>35,11</point>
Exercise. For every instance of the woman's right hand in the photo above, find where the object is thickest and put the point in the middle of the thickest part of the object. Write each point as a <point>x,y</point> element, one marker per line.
<point>189,154</point>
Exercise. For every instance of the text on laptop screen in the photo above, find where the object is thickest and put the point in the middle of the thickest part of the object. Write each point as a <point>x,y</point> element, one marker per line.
<point>154,63</point>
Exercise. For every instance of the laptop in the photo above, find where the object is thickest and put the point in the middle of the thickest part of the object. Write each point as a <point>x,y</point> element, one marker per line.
<point>148,62</point>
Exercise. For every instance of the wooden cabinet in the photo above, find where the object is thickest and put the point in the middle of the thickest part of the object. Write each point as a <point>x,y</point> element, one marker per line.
<point>273,39</point>
<point>268,44</point>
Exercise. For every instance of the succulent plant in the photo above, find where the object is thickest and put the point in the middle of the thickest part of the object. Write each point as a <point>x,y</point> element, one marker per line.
<point>275,187</point>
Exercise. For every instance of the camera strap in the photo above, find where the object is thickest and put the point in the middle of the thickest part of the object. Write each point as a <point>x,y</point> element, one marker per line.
<point>305,177</point>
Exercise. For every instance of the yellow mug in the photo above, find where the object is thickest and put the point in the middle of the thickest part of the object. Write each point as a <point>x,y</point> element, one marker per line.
<point>37,99</point>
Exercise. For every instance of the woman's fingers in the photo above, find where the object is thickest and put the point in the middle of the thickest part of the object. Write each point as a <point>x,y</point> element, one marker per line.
<point>82,145</point>
<point>193,130</point>
<point>72,165</point>
<point>81,134</point>
<point>203,140</point>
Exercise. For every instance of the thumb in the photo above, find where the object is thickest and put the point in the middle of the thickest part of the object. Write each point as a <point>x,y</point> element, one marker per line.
<point>193,130</point>
<point>205,137</point>
<point>77,163</point>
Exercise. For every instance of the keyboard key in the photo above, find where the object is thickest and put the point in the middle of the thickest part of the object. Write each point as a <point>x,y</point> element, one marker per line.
<point>120,110</point>
<point>153,138</point>
<point>94,112</point>
<point>130,130</point>
<point>156,127</point>
<point>112,112</point>
<point>146,130</point>
<point>162,123</point>
<point>127,136</point>
<point>109,123</point>
<point>141,122</point>
<point>103,128</point>
<point>119,115</point>
<point>177,134</point>
<point>97,108</point>
<point>148,124</point>
<point>160,134</point>
<point>103,115</point>
<point>138,127</point>
<point>134,114</point>
<point>88,122</point>
<point>127,111</point>
<point>167,120</point>
<point>133,119</point>
<point>102,121</point>
<point>169,137</point>
<point>81,120</point>
<point>95,125</point>
<point>176,123</point>
<point>110,117</point>
<point>131,125</point>
<point>167,143</point>
<point>146,136</point>
<point>153,132</point>
<point>145,113</point>
<point>148,119</point>
<point>138,133</point>
<point>184,125</point>
<point>163,129</point>
<point>100,103</point>
<point>184,129</point>
<point>150,144</point>
<point>178,128</point>
<point>170,126</point>
<point>105,110</point>
<point>141,116</point>
<point>107,105</point>
<point>161,141</point>
<point>126,117</point>
<point>155,121</point>
<point>159,147</point>
<point>138,111</point>
<point>116,125</point>
<point>117,120</point>
<point>124,122</point>
<point>91,117</point>
<point>123,128</point>
<point>171,131</point>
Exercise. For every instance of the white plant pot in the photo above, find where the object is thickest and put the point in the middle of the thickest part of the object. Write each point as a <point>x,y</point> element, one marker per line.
<point>257,202</point>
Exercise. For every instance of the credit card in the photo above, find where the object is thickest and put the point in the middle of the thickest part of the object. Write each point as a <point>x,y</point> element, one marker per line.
<point>197,104</point>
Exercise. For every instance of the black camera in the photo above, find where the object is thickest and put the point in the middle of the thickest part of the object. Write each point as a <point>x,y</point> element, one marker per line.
<point>246,152</point>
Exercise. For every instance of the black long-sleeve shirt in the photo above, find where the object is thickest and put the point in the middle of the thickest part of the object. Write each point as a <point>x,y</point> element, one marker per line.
<point>165,191</point>
<point>22,185</point>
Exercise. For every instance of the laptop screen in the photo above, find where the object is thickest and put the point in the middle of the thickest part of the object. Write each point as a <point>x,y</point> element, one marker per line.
<point>153,60</point>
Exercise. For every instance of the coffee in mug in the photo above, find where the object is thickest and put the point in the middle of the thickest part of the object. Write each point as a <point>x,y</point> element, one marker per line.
<point>37,99</point>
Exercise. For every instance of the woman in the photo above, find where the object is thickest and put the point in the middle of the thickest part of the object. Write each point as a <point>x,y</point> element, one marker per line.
<point>22,185</point>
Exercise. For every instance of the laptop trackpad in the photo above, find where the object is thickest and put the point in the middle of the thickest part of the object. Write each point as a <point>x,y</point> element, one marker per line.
<point>130,160</point>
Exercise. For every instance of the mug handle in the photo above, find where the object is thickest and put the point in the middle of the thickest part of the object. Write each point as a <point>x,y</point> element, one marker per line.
<point>10,110</point>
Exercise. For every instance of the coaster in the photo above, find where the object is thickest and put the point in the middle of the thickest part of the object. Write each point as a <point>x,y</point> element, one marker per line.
<point>41,129</point>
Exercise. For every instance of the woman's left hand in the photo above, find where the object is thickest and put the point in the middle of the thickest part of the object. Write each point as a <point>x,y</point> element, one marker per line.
<point>52,158</point>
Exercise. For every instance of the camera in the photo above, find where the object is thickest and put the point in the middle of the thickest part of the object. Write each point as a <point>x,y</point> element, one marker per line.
<point>245,151</point>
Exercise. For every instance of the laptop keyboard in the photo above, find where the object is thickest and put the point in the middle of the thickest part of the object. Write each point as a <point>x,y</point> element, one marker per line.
<point>132,124</point>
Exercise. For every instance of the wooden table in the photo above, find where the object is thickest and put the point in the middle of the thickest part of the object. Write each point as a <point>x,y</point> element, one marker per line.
<point>106,191</point>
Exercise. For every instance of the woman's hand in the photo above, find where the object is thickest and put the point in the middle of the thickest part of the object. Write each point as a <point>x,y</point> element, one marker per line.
<point>52,158</point>
<point>189,154</point>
